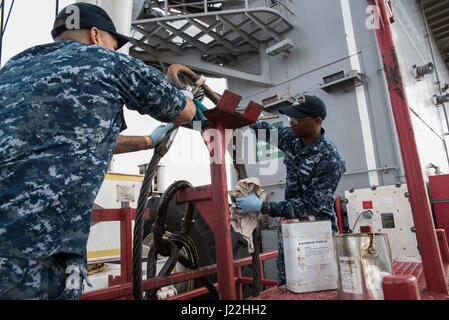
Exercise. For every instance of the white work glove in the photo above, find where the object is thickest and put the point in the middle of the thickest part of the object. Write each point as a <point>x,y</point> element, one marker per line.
<point>188,94</point>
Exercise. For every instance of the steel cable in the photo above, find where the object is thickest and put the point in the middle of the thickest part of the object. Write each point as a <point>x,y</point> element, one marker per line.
<point>144,194</point>
<point>181,240</point>
<point>256,287</point>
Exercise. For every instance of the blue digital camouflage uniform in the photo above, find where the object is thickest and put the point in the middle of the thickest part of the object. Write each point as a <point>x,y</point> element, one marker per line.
<point>61,111</point>
<point>313,174</point>
<point>59,277</point>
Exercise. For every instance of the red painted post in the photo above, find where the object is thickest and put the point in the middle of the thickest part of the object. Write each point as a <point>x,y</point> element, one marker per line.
<point>239,284</point>
<point>400,287</point>
<point>440,201</point>
<point>419,200</point>
<point>125,216</point>
<point>126,249</point>
<point>212,203</point>
<point>222,229</point>
<point>441,235</point>
<point>339,215</point>
<point>262,272</point>
<point>126,245</point>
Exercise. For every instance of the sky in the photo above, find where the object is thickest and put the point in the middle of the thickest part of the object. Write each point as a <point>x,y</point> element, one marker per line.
<point>30,24</point>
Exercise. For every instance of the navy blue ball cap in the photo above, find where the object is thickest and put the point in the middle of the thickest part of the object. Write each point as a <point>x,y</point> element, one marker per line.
<point>89,16</point>
<point>306,106</point>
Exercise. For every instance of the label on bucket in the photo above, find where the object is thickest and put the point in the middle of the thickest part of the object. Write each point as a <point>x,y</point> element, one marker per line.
<point>351,277</point>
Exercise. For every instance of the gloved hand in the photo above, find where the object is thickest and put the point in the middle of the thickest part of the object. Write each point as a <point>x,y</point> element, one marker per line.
<point>187,94</point>
<point>160,133</point>
<point>249,204</point>
<point>199,115</point>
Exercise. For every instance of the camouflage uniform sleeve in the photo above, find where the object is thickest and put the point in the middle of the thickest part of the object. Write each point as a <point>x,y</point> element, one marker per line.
<point>285,134</point>
<point>317,197</point>
<point>148,91</point>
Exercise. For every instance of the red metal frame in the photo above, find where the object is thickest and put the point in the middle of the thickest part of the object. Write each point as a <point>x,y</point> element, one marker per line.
<point>212,201</point>
<point>440,201</point>
<point>125,291</point>
<point>339,214</point>
<point>125,216</point>
<point>425,231</point>
<point>444,248</point>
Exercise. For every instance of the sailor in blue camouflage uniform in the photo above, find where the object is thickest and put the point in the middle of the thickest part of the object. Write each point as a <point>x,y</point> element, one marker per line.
<point>61,111</point>
<point>314,169</point>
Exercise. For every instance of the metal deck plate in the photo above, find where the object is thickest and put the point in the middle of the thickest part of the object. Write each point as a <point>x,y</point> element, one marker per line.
<point>400,268</point>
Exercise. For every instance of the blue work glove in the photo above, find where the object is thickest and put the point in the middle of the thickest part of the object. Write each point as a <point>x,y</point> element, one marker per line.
<point>160,133</point>
<point>249,204</point>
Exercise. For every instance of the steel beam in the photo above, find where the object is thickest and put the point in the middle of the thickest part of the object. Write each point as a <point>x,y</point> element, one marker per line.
<point>194,61</point>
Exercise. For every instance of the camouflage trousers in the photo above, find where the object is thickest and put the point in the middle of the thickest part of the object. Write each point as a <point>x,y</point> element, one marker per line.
<point>59,277</point>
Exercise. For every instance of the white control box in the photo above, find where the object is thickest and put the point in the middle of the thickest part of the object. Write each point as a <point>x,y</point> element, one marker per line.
<point>387,210</point>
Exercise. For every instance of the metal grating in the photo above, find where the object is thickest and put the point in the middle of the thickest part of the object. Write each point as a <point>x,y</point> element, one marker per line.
<point>437,15</point>
<point>218,35</point>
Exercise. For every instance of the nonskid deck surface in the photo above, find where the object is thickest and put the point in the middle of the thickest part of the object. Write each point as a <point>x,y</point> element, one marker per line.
<point>401,268</point>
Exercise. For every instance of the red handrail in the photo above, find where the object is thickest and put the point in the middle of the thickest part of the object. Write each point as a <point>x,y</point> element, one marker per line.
<point>121,287</point>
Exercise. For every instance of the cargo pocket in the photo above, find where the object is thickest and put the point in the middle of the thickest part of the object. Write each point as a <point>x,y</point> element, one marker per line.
<point>12,274</point>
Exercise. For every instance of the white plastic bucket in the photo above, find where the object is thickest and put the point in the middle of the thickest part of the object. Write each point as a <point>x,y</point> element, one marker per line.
<point>309,254</point>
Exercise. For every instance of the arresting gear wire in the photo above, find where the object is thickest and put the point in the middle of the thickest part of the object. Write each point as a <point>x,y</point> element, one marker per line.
<point>179,247</point>
<point>145,191</point>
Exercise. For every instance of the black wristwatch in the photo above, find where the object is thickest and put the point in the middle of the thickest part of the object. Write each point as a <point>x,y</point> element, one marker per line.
<point>265,208</point>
